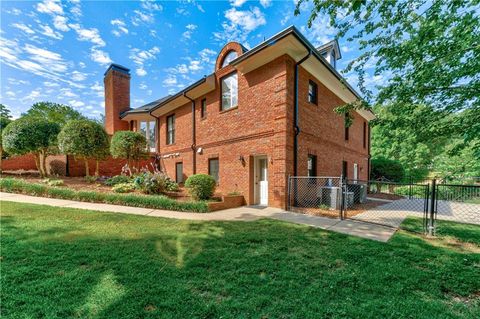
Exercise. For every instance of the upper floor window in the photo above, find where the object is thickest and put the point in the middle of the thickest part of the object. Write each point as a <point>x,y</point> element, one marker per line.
<point>229,58</point>
<point>312,92</point>
<point>148,129</point>
<point>171,129</point>
<point>229,91</point>
<point>203,108</point>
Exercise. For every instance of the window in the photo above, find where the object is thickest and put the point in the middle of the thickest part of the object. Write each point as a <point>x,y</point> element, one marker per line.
<point>229,58</point>
<point>148,129</point>
<point>179,172</point>
<point>312,92</point>
<point>347,129</point>
<point>312,165</point>
<point>203,108</point>
<point>344,169</point>
<point>364,135</point>
<point>229,91</point>
<point>171,129</point>
<point>213,168</point>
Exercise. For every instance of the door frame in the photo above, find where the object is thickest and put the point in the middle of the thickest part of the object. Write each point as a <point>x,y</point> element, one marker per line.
<point>256,176</point>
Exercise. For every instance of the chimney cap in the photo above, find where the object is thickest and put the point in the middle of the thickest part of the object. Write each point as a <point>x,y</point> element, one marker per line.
<point>117,67</point>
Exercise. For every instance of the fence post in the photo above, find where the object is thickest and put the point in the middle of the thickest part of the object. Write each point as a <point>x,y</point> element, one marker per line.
<point>410,188</point>
<point>288,193</point>
<point>342,197</point>
<point>431,224</point>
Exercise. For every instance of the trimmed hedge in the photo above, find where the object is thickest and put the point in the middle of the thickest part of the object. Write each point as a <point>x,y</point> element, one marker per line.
<point>12,185</point>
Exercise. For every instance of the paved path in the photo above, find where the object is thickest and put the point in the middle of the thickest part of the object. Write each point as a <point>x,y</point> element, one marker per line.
<point>246,213</point>
<point>394,212</point>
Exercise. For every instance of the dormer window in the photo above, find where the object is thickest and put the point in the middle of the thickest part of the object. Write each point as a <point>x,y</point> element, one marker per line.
<point>232,55</point>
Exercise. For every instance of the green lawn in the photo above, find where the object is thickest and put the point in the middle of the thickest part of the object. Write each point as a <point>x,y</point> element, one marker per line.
<point>63,263</point>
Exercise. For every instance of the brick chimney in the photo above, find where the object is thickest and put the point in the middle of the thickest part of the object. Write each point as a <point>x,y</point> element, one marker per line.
<point>116,81</point>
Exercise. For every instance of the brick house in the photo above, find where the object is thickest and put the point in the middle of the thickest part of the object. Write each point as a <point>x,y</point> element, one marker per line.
<point>262,115</point>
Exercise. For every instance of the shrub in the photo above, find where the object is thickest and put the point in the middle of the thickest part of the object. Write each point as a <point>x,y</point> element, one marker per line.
<point>85,139</point>
<point>123,188</point>
<point>201,186</point>
<point>53,182</point>
<point>387,168</point>
<point>31,135</point>
<point>171,186</point>
<point>128,145</point>
<point>118,179</point>
<point>150,183</point>
<point>12,185</point>
<point>91,179</point>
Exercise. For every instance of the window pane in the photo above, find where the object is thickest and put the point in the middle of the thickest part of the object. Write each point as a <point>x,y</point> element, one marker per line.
<point>171,129</point>
<point>230,56</point>
<point>229,91</point>
<point>152,139</point>
<point>143,128</point>
<point>213,168</point>
<point>179,172</point>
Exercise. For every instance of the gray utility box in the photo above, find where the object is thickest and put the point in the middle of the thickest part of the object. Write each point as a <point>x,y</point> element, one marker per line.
<point>330,196</point>
<point>359,192</point>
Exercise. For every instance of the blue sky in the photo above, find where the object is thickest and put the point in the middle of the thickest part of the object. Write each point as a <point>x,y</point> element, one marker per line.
<point>58,51</point>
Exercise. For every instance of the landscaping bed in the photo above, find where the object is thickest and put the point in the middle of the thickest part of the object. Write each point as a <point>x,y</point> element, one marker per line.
<point>59,262</point>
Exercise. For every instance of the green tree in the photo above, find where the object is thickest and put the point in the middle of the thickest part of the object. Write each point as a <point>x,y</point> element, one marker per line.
<point>128,145</point>
<point>84,139</point>
<point>5,119</point>
<point>387,168</point>
<point>427,50</point>
<point>54,112</point>
<point>31,135</point>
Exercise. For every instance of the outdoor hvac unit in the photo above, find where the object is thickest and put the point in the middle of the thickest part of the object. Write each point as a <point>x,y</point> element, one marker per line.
<point>359,192</point>
<point>330,196</point>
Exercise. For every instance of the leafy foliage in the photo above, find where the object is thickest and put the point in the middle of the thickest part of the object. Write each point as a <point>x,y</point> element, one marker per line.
<point>27,135</point>
<point>5,119</point>
<point>54,112</point>
<point>201,186</point>
<point>117,179</point>
<point>151,183</point>
<point>387,168</point>
<point>128,145</point>
<point>427,51</point>
<point>123,188</point>
<point>85,139</point>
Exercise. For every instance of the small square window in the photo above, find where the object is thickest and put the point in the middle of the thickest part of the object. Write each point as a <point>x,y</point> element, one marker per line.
<point>312,92</point>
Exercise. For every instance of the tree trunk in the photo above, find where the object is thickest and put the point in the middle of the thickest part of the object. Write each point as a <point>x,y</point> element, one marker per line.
<point>37,164</point>
<point>87,170</point>
<point>44,163</point>
<point>97,170</point>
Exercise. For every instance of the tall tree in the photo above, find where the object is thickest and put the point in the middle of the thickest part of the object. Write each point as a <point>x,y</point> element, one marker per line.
<point>428,50</point>
<point>54,112</point>
<point>5,119</point>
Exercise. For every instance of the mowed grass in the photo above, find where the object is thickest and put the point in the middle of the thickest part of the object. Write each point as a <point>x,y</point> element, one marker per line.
<point>67,263</point>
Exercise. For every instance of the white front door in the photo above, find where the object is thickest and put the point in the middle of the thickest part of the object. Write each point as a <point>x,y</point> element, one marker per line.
<point>262,180</point>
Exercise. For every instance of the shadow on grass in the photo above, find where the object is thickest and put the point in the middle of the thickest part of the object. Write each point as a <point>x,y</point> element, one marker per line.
<point>61,262</point>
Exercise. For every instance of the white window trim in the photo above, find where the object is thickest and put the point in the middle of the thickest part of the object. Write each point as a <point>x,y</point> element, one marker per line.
<point>147,134</point>
<point>232,105</point>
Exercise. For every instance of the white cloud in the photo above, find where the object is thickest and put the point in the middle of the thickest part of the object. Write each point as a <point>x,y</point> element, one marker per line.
<point>190,28</point>
<point>32,96</point>
<point>92,35</point>
<point>140,57</point>
<point>49,32</point>
<point>143,86</point>
<point>10,94</point>
<point>121,27</point>
<point>50,84</point>
<point>23,27</point>
<point>266,3</point>
<point>82,65</point>
<point>66,92</point>
<point>76,103</point>
<point>320,32</point>
<point>151,5</point>
<point>60,23</point>
<point>100,56</point>
<point>50,7</point>
<point>239,24</point>
<point>140,16</point>
<point>237,3</point>
<point>15,11</point>
<point>49,60</point>
<point>141,71</point>
<point>171,80</point>
<point>78,76</point>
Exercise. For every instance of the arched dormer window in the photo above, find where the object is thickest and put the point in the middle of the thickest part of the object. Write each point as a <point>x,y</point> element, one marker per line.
<point>228,58</point>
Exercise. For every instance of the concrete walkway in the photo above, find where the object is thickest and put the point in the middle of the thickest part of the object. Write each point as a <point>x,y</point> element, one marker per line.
<point>246,213</point>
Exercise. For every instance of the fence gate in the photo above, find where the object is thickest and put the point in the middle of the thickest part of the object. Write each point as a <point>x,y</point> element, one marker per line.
<point>320,196</point>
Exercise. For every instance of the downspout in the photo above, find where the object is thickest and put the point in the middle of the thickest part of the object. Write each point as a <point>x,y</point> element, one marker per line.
<point>296,128</point>
<point>194,137</point>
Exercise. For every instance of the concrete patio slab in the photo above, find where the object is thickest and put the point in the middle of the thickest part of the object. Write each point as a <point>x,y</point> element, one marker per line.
<point>314,221</point>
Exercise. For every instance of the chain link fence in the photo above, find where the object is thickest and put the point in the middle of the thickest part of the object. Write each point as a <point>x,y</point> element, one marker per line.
<point>459,203</point>
<point>319,196</point>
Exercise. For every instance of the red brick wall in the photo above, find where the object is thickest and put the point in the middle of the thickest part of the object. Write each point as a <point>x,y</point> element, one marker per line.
<point>117,100</point>
<point>109,167</point>
<point>23,162</point>
<point>323,133</point>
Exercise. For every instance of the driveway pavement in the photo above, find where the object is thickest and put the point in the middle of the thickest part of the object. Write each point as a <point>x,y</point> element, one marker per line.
<point>245,213</point>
